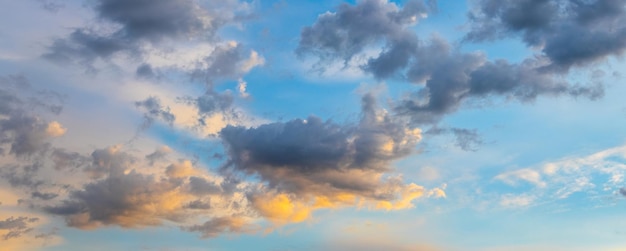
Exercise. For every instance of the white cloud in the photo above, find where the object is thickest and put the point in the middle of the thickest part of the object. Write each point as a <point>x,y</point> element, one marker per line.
<point>527,175</point>
<point>600,173</point>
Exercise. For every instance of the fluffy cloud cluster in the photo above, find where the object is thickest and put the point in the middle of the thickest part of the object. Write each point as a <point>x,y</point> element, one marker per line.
<point>303,165</point>
<point>131,23</point>
<point>569,33</point>
<point>126,193</point>
<point>448,75</point>
<point>157,41</point>
<point>320,164</point>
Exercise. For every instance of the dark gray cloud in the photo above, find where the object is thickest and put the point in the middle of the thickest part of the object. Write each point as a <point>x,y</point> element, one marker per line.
<point>84,46</point>
<point>139,23</point>
<point>321,157</point>
<point>346,33</point>
<point>450,76</point>
<point>622,191</point>
<point>156,20</point>
<point>16,227</point>
<point>569,33</point>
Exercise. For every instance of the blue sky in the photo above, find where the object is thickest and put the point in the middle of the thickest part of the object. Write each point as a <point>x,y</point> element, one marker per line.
<point>312,125</point>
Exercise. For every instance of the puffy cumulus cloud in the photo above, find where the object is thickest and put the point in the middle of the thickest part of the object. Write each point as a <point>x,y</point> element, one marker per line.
<point>127,200</point>
<point>110,186</point>
<point>345,33</point>
<point>310,164</point>
<point>569,33</point>
<point>130,194</point>
<point>155,20</point>
<point>450,76</point>
<point>141,28</point>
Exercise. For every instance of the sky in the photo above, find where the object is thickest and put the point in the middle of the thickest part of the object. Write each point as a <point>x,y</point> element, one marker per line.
<point>418,125</point>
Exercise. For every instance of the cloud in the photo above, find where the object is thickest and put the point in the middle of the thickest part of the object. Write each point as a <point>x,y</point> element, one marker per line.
<point>26,133</point>
<point>156,20</point>
<point>311,163</point>
<point>158,155</point>
<point>569,33</point>
<point>452,77</point>
<point>154,110</point>
<point>110,186</point>
<point>345,34</point>
<point>449,75</point>
<point>597,173</point>
<point>138,28</point>
<point>242,87</point>
<point>227,61</point>
<point>55,129</point>
<point>129,194</point>
<point>466,139</point>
